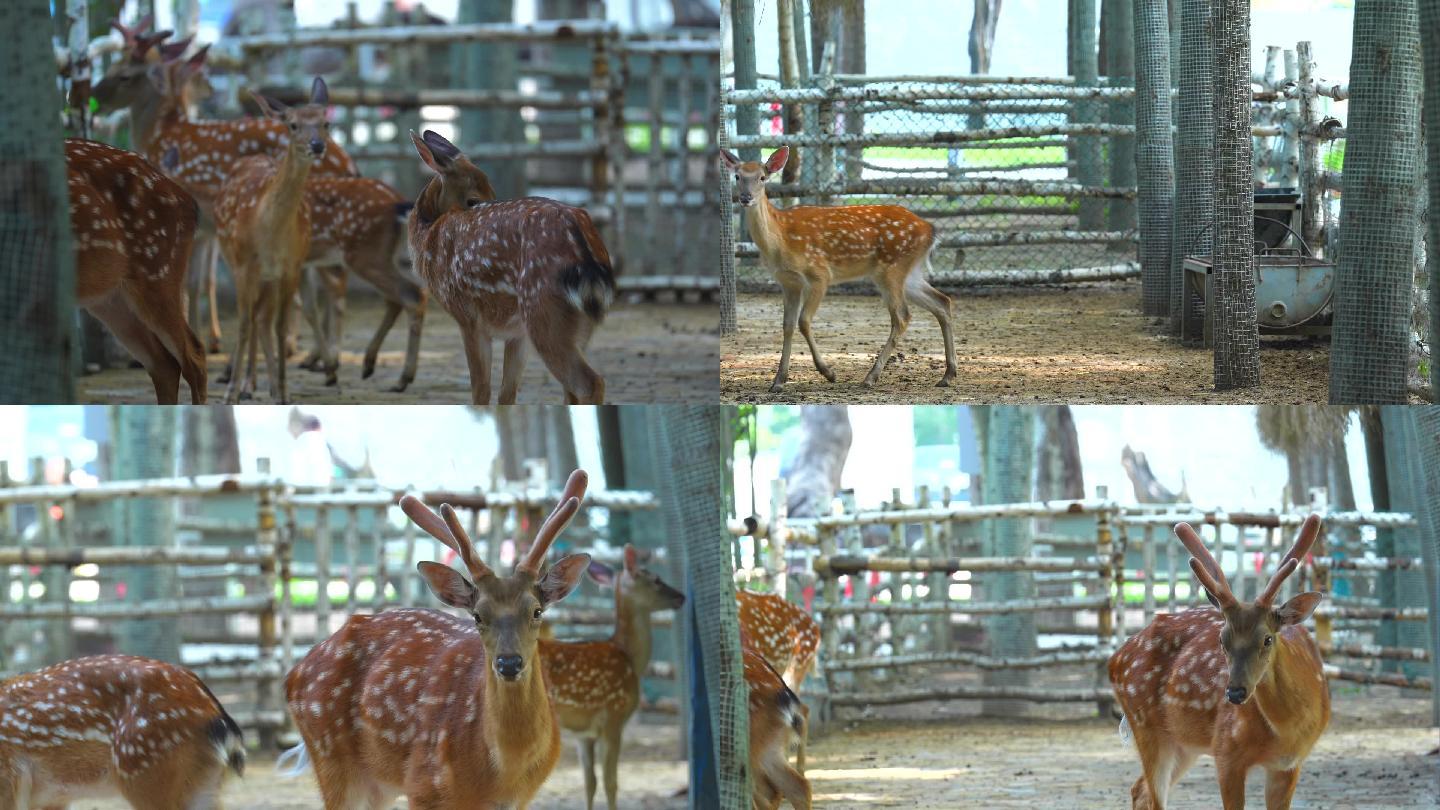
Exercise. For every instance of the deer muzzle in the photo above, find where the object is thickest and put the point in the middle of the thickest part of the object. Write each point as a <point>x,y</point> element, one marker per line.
<point>509,667</point>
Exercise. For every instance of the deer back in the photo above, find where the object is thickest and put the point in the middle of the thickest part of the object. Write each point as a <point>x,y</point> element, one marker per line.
<point>130,222</point>
<point>590,681</point>
<point>784,634</point>
<point>360,221</point>
<point>849,241</point>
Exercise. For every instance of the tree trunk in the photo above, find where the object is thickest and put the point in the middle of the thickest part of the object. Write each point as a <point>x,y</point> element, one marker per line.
<point>982,34</point>
<point>813,476</point>
<point>144,447</point>
<point>790,78</point>
<point>1059,473</point>
<point>212,443</point>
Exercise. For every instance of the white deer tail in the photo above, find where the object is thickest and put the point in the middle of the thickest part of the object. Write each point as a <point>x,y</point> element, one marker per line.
<point>293,763</point>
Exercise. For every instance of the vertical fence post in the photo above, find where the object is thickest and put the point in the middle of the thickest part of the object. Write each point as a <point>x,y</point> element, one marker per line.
<point>266,540</point>
<point>407,571</point>
<point>776,539</point>
<point>1154,171</point>
<point>685,231</point>
<point>1105,619</point>
<point>352,557</point>
<point>377,536</point>
<point>1235,327</point>
<point>655,165</point>
<point>1430,33</point>
<point>829,629</point>
<point>322,572</point>
<point>1087,147</point>
<point>1148,551</point>
<point>1122,52</point>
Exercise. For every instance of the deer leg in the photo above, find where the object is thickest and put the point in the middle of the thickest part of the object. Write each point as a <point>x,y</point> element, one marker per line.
<point>283,303</point>
<point>809,302</point>
<point>611,742</point>
<point>244,331</point>
<point>1280,788</point>
<point>372,351</point>
<point>1231,773</point>
<point>477,355</point>
<point>586,748</point>
<point>412,347</point>
<point>212,275</point>
<point>785,780</point>
<point>792,315</point>
<point>335,285</point>
<point>1160,764</point>
<point>161,309</point>
<point>268,331</point>
<point>137,338</point>
<point>919,291</point>
<point>510,374</point>
<point>562,348</point>
<point>899,319</point>
<point>310,309</point>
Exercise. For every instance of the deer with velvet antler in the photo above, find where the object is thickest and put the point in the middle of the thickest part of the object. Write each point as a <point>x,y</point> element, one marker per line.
<point>1240,681</point>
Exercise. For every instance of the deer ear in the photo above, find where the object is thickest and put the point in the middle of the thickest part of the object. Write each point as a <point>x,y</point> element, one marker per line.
<point>448,585</point>
<point>729,159</point>
<point>1299,608</point>
<point>319,93</point>
<point>777,159</point>
<point>601,573</point>
<point>562,577</point>
<point>426,156</point>
<point>269,107</point>
<point>632,558</point>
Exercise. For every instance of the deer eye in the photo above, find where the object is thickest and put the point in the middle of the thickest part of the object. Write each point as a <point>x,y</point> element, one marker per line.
<point>294,127</point>
<point>479,622</point>
<point>472,202</point>
<point>538,612</point>
<point>1269,640</point>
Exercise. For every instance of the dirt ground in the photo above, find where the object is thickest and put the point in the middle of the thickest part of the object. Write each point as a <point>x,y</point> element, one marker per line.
<point>1373,755</point>
<point>1082,344</point>
<point>650,777</point>
<point>647,352</point>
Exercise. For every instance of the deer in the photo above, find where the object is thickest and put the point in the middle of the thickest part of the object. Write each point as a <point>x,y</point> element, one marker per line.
<point>197,154</point>
<point>787,636</point>
<point>145,731</point>
<point>775,714</point>
<point>809,248</point>
<point>133,228</point>
<point>358,224</point>
<point>452,713</point>
<point>596,684</point>
<point>1243,682</point>
<point>263,218</point>
<point>530,268</point>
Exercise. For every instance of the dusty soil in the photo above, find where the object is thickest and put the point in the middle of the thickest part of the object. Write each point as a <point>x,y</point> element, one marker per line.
<point>1084,344</point>
<point>647,352</point>
<point>650,777</point>
<point>1373,755</point>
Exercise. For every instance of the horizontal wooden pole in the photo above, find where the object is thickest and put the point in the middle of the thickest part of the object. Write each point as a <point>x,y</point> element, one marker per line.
<point>970,187</point>
<point>1377,651</point>
<point>1269,520</point>
<point>854,564</point>
<point>950,91</point>
<point>1032,693</point>
<point>977,608</point>
<point>1414,614</point>
<point>132,555</point>
<point>194,486</point>
<point>487,151</point>
<point>971,659</point>
<point>1369,564</point>
<point>151,609</point>
<point>1335,673</point>
<point>937,138</point>
<point>557,31</point>
<point>964,512</point>
<point>441,97</point>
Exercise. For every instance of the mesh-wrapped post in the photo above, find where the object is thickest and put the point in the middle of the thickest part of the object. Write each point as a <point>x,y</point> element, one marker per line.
<point>1120,64</point>
<point>728,321</point>
<point>1427,431</point>
<point>1087,147</point>
<point>1194,172</point>
<point>1403,588</point>
<point>690,443</point>
<point>37,287</point>
<point>1232,312</point>
<point>1430,33</point>
<point>1369,353</point>
<point>1008,467</point>
<point>144,447</point>
<point>1154,152</point>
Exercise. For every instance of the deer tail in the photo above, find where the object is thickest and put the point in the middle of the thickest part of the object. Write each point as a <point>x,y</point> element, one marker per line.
<point>589,284</point>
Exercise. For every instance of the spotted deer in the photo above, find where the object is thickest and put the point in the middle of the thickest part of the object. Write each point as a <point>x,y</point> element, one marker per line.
<point>145,731</point>
<point>521,269</point>
<point>452,713</point>
<point>1241,681</point>
<point>787,636</point>
<point>264,221</point>
<point>596,684</point>
<point>358,225</point>
<point>775,714</point>
<point>809,248</point>
<point>133,228</point>
<point>198,154</point>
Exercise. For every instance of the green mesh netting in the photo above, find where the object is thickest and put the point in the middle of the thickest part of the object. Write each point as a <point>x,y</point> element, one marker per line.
<point>1427,431</point>
<point>144,447</point>
<point>1430,35</point>
<point>1194,170</point>
<point>1236,334</point>
<point>1088,162</point>
<point>1120,56</point>
<point>727,244</point>
<point>37,272</point>
<point>1404,588</point>
<point>1154,152</point>
<point>1008,467</point>
<point>690,442</point>
<point>1369,352</point>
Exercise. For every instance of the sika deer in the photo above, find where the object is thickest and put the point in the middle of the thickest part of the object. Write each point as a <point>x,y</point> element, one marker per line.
<point>775,713</point>
<point>511,269</point>
<point>359,223</point>
<point>264,228</point>
<point>451,713</point>
<point>1170,677</point>
<point>596,684</point>
<point>808,248</point>
<point>786,635</point>
<point>114,725</point>
<point>133,228</point>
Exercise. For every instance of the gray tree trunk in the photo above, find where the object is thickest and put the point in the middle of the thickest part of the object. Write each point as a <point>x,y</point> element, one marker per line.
<point>813,476</point>
<point>144,447</point>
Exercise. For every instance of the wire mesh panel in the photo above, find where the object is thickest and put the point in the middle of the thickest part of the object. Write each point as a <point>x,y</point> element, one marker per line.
<point>1404,588</point>
<point>1430,34</point>
<point>1087,69</point>
<point>1427,431</point>
<point>37,274</point>
<point>1194,171</point>
<point>1009,463</point>
<point>690,443</point>
<point>1369,354</point>
<point>1154,153</point>
<point>1120,56</point>
<point>1237,337</point>
<point>145,448</point>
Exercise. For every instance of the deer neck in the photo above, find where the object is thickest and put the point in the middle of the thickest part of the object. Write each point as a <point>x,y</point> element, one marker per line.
<point>519,718</point>
<point>632,632</point>
<point>1287,697</point>
<point>288,190</point>
<point>146,114</point>
<point>766,226</point>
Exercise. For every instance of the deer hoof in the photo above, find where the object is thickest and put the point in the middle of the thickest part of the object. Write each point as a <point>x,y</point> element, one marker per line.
<point>400,386</point>
<point>776,387</point>
<point>368,371</point>
<point>827,374</point>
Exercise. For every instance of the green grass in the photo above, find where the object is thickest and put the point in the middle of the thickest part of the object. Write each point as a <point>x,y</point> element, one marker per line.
<point>972,157</point>
<point>1334,157</point>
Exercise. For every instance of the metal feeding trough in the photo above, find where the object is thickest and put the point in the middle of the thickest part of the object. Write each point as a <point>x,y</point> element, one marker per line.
<point>1293,288</point>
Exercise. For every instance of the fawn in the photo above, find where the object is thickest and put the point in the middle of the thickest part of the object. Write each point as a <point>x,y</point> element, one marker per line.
<point>775,713</point>
<point>133,228</point>
<point>1170,679</point>
<point>596,684</point>
<point>451,713</point>
<point>149,732</point>
<point>264,229</point>
<point>808,248</point>
<point>511,269</point>
<point>787,636</point>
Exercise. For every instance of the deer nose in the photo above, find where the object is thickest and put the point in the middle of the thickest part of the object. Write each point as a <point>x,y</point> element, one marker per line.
<point>509,666</point>
<point>1236,694</point>
<point>317,147</point>
<point>746,199</point>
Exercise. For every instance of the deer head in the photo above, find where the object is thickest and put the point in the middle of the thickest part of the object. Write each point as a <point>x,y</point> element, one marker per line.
<point>308,125</point>
<point>507,609</point>
<point>1249,634</point>
<point>458,184</point>
<point>129,78</point>
<point>641,587</point>
<point>750,177</point>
